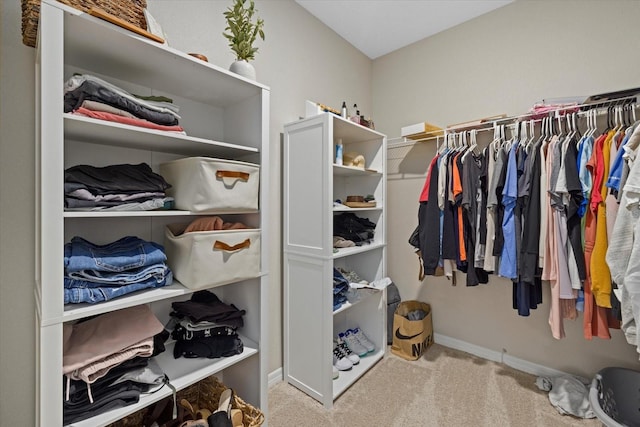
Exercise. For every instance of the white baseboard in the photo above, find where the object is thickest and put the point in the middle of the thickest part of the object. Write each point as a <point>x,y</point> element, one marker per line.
<point>275,377</point>
<point>497,356</point>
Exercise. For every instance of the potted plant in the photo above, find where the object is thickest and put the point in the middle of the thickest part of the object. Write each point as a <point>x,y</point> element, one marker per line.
<point>242,31</point>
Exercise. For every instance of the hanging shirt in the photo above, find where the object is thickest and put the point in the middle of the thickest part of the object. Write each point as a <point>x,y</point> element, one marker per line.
<point>574,202</point>
<point>429,221</point>
<point>600,275</point>
<point>489,258</point>
<point>457,194</point>
<point>622,238</point>
<point>584,154</point>
<point>508,257</point>
<point>595,323</point>
<point>550,267</point>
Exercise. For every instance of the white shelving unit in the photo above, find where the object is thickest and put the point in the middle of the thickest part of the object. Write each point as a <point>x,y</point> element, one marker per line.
<point>224,115</point>
<point>312,181</point>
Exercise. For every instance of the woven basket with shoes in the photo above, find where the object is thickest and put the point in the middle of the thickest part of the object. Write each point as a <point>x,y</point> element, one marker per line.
<point>131,11</point>
<point>202,396</point>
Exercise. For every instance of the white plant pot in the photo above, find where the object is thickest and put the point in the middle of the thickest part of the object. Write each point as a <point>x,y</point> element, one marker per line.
<point>244,69</point>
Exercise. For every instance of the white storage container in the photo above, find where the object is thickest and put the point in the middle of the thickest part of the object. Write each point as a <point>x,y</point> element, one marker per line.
<point>202,184</point>
<point>203,259</point>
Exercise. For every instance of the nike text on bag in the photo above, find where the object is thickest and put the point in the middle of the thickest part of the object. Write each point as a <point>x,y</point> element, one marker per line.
<point>411,338</point>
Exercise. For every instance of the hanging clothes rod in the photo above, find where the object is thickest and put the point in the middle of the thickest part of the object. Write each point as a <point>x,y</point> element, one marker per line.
<point>515,120</point>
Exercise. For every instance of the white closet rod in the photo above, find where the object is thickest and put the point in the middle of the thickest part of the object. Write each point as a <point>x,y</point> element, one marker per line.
<point>488,126</point>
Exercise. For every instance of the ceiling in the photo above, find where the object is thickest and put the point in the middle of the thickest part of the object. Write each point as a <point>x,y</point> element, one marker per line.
<point>377,27</point>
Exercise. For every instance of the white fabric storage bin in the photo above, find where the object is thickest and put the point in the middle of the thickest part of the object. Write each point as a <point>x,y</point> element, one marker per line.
<point>202,184</point>
<point>203,259</point>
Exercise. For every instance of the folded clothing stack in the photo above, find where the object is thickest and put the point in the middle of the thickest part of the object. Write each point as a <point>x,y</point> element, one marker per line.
<point>95,273</point>
<point>114,187</point>
<point>106,361</point>
<point>206,327</point>
<point>340,289</point>
<point>90,96</point>
<point>351,227</point>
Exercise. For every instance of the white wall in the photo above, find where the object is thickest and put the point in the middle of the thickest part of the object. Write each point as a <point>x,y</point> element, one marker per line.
<point>300,59</point>
<point>501,62</point>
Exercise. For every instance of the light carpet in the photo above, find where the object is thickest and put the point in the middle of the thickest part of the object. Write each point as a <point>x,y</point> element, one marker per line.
<point>445,387</point>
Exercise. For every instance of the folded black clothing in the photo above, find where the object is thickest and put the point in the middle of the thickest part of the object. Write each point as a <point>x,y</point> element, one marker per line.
<point>101,392</point>
<point>92,91</point>
<point>118,399</point>
<point>351,227</point>
<point>116,179</point>
<point>182,333</point>
<point>206,306</point>
<point>211,348</point>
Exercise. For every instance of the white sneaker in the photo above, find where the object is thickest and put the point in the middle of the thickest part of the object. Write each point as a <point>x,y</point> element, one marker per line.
<point>341,362</point>
<point>352,342</point>
<point>366,342</point>
<point>342,346</point>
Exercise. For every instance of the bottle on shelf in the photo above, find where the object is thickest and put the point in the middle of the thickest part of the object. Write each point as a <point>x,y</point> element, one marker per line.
<point>339,152</point>
<point>345,113</point>
<point>356,114</point>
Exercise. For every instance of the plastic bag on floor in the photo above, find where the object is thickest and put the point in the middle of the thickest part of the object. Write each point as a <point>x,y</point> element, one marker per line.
<point>569,395</point>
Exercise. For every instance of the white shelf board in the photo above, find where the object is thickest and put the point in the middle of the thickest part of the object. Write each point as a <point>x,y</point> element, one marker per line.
<point>341,170</point>
<point>86,129</point>
<point>347,305</point>
<point>81,310</point>
<point>347,378</point>
<point>144,296</point>
<point>158,213</point>
<point>348,209</point>
<point>182,373</point>
<point>353,132</point>
<point>343,252</point>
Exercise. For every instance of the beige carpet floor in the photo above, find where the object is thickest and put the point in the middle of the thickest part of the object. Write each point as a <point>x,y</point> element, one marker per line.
<point>445,388</point>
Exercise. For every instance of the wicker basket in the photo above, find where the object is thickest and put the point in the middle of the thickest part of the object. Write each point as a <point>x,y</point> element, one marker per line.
<point>129,10</point>
<point>203,394</point>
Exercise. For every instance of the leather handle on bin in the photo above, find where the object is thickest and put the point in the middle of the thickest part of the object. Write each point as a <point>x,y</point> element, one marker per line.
<point>225,247</point>
<point>233,174</point>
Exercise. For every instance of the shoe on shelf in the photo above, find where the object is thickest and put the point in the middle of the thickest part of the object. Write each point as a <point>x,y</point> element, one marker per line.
<point>336,373</point>
<point>342,346</point>
<point>340,361</point>
<point>366,342</point>
<point>352,343</point>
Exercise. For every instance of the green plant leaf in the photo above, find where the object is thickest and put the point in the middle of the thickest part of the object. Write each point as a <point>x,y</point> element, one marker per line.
<point>241,30</point>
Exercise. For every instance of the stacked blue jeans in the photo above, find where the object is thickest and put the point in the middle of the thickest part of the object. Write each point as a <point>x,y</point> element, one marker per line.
<point>96,273</point>
<point>340,288</point>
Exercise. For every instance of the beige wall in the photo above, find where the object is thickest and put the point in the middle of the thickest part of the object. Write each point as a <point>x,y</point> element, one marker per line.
<point>501,62</point>
<point>300,59</point>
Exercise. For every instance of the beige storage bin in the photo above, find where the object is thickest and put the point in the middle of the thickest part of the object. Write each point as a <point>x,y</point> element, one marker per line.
<point>202,184</point>
<point>203,259</point>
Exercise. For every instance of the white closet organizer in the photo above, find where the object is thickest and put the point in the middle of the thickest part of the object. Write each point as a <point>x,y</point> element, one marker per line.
<point>224,115</point>
<point>312,181</point>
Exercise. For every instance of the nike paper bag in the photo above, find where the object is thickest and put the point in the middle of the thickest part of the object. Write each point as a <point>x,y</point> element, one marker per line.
<point>411,338</point>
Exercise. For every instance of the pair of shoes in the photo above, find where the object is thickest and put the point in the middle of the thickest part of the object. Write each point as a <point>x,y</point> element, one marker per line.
<point>222,416</point>
<point>346,351</point>
<point>357,341</point>
<point>340,360</point>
